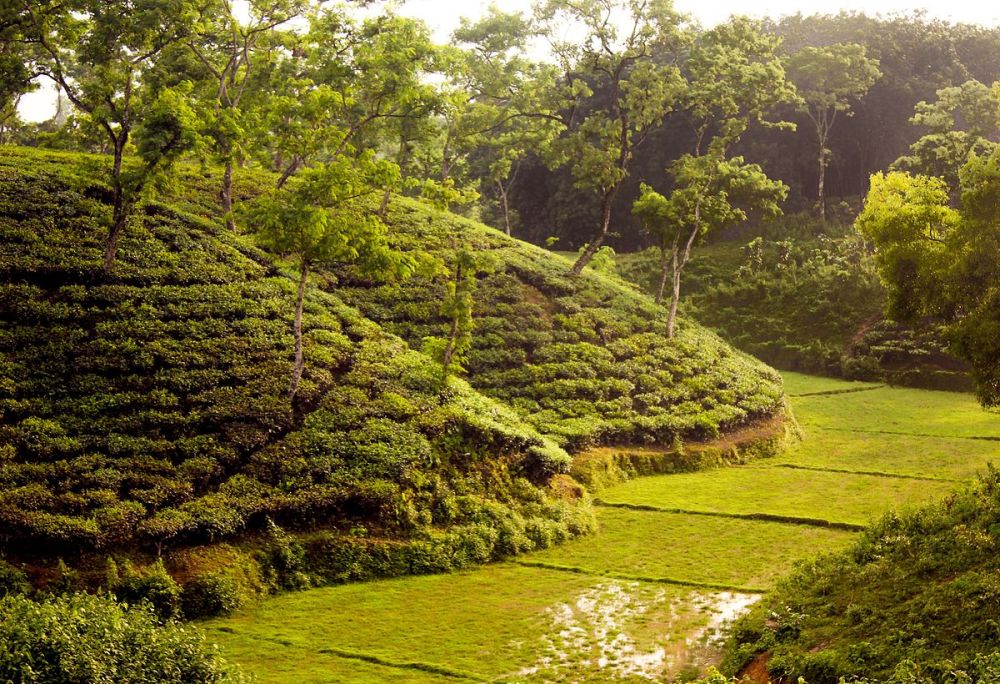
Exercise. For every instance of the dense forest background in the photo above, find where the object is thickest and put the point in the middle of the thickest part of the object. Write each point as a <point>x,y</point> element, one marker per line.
<point>434,134</point>
<point>917,57</point>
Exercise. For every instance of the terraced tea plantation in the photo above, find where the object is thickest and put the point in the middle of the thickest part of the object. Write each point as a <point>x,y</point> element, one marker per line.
<point>675,558</point>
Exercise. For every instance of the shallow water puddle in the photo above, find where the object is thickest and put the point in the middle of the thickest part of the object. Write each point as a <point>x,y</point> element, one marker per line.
<point>703,646</point>
<point>631,631</point>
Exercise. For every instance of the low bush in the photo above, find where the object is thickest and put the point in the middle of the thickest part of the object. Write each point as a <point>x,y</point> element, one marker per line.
<point>93,640</point>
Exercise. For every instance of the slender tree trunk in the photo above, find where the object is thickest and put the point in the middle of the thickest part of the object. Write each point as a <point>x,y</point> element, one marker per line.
<point>226,194</point>
<point>449,349</point>
<point>595,244</point>
<point>664,273</point>
<point>821,191</point>
<point>299,357</point>
<point>675,296</point>
<point>506,206</point>
<point>292,168</point>
<point>383,208</point>
<point>120,215</point>
<point>679,262</point>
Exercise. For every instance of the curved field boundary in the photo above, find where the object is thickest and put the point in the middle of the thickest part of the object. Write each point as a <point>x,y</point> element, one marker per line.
<point>873,473</point>
<point>404,665</point>
<point>602,467</point>
<point>576,569</point>
<point>351,654</point>
<point>979,438</point>
<point>767,517</point>
<point>828,393</point>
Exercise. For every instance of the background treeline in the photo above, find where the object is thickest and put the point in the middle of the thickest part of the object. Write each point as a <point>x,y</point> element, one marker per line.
<point>917,56</point>
<point>478,125</point>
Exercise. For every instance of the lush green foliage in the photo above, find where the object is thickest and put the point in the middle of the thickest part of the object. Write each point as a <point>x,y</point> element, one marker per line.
<point>93,640</point>
<point>806,297</point>
<point>915,587</point>
<point>937,260</point>
<point>150,406</point>
<point>962,121</point>
<point>584,359</point>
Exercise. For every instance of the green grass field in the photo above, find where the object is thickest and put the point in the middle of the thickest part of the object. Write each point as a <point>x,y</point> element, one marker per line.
<point>618,605</point>
<point>769,490</point>
<point>798,384</point>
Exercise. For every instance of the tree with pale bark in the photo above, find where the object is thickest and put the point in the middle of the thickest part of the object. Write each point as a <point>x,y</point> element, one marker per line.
<point>619,84</point>
<point>735,78</point>
<point>828,80</point>
<point>325,217</point>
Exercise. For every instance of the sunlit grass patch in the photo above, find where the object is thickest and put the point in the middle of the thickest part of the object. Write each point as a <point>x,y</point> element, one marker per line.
<point>799,383</point>
<point>900,411</point>
<point>725,551</point>
<point>498,621</point>
<point>897,454</point>
<point>834,497</point>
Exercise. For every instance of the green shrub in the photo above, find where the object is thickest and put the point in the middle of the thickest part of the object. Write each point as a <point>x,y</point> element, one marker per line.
<point>13,581</point>
<point>92,640</point>
<point>283,560</point>
<point>212,595</point>
<point>150,585</point>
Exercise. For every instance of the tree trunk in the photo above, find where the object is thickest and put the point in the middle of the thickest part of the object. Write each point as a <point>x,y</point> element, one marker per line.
<point>664,274</point>
<point>596,243</point>
<point>506,206</point>
<point>675,296</point>
<point>821,192</point>
<point>449,349</point>
<point>120,215</point>
<point>679,262</point>
<point>384,206</point>
<point>292,168</point>
<point>299,357</point>
<point>226,194</point>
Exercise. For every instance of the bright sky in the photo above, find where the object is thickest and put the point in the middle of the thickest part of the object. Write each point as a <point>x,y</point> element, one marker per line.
<point>443,17</point>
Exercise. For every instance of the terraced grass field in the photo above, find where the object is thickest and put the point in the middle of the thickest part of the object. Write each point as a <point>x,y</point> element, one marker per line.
<point>676,556</point>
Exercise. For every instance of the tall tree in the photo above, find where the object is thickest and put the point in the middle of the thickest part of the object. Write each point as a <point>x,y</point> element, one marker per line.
<point>940,261</point>
<point>828,79</point>
<point>229,48</point>
<point>619,85</point>
<point>512,115</point>
<point>735,78</point>
<point>348,83</point>
<point>464,269</point>
<point>16,74</point>
<point>97,53</point>
<point>712,191</point>
<point>322,218</point>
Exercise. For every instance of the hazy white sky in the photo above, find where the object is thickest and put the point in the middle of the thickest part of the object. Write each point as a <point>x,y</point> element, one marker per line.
<point>443,16</point>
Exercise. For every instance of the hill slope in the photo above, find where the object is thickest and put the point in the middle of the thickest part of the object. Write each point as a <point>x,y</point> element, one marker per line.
<point>147,408</point>
<point>150,405</point>
<point>584,359</point>
<point>914,600</point>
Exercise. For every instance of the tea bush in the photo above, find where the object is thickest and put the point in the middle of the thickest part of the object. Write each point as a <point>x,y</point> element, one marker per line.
<point>585,360</point>
<point>93,640</point>
<point>805,297</point>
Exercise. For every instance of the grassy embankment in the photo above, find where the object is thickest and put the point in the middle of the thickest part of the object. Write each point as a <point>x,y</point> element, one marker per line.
<point>645,591</point>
